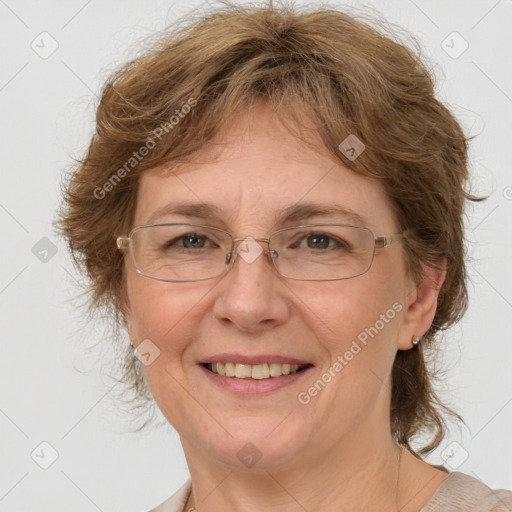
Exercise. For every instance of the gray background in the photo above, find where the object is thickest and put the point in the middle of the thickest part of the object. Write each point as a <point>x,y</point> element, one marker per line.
<point>53,390</point>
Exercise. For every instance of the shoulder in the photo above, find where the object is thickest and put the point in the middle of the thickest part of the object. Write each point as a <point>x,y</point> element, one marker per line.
<point>463,492</point>
<point>458,492</point>
<point>177,501</point>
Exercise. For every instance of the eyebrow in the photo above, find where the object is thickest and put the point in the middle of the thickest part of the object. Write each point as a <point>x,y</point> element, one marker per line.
<point>290,214</point>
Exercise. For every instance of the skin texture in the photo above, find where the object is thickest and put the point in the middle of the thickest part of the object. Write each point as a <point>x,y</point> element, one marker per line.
<point>336,452</point>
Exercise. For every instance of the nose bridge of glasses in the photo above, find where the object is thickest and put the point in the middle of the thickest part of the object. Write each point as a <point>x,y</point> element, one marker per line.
<point>249,248</point>
<point>238,239</point>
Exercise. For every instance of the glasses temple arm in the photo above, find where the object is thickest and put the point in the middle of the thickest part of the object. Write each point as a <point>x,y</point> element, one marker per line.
<point>384,241</point>
<point>122,241</point>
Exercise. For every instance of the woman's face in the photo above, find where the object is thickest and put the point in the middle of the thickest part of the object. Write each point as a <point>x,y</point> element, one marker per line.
<point>348,331</point>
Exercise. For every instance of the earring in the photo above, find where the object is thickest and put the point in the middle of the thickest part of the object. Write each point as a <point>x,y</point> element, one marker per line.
<point>416,340</point>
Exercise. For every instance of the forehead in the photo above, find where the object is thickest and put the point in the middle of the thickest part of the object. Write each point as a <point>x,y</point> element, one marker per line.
<point>254,172</point>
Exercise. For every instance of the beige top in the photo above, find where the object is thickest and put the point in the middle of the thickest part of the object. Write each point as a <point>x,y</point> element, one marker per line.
<point>457,493</point>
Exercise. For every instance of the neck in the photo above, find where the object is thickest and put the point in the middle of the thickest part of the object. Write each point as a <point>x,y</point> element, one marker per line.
<point>345,479</point>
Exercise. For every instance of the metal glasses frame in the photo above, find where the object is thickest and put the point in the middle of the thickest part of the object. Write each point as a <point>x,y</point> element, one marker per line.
<point>380,242</point>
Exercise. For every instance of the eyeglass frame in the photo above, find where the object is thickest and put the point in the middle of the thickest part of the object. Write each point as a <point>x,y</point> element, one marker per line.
<point>380,242</point>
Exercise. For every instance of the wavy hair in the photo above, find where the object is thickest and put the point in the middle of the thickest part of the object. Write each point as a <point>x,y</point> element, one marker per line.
<point>353,76</point>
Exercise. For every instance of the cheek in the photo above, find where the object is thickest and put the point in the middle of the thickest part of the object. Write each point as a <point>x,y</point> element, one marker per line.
<point>165,314</point>
<point>360,308</point>
<point>159,311</point>
<point>171,316</point>
<point>360,322</point>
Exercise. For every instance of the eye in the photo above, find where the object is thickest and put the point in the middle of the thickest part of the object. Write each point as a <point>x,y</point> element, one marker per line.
<point>193,241</point>
<point>323,241</point>
<point>318,241</point>
<point>188,241</point>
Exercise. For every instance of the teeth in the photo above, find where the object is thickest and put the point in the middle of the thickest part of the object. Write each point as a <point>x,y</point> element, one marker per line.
<point>256,371</point>
<point>229,369</point>
<point>275,369</point>
<point>260,371</point>
<point>243,371</point>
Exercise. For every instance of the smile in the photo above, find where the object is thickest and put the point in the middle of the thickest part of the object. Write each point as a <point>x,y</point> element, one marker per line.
<point>254,371</point>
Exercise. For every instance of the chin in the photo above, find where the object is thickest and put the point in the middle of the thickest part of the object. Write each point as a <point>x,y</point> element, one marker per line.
<point>254,444</point>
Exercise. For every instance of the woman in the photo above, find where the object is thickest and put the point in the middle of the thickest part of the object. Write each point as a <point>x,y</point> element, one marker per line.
<point>272,207</point>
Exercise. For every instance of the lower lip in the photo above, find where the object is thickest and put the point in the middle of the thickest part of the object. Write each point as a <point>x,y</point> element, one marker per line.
<point>254,386</point>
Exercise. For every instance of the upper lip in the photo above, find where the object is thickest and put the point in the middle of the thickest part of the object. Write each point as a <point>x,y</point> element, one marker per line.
<point>256,359</point>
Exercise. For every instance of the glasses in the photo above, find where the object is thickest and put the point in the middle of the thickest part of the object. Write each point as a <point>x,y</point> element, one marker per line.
<point>193,252</point>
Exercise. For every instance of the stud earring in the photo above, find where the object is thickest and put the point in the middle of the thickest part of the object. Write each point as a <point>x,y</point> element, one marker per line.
<point>416,340</point>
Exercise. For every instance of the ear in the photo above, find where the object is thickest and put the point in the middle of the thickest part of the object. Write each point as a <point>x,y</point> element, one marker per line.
<point>421,305</point>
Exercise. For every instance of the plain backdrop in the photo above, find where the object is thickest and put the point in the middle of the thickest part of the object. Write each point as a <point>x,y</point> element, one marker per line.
<point>55,56</point>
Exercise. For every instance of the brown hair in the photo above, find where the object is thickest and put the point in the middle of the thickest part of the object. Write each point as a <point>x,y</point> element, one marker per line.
<point>353,79</point>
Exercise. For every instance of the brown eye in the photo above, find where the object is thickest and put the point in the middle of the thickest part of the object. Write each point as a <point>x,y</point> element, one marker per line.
<point>193,241</point>
<point>325,241</point>
<point>318,241</point>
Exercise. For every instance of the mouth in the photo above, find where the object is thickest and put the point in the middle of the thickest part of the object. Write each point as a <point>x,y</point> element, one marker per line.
<point>260,375</point>
<point>261,371</point>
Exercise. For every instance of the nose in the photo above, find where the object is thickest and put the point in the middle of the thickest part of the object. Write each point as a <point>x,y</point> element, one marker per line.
<point>251,295</point>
